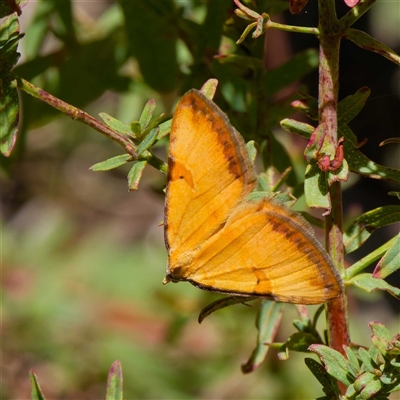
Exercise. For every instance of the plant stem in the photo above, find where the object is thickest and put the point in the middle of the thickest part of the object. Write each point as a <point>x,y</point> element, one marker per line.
<point>336,310</point>
<point>77,114</point>
<point>291,28</point>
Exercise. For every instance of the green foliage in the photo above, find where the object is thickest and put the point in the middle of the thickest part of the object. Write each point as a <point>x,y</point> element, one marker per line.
<point>114,382</point>
<point>177,46</point>
<point>368,374</point>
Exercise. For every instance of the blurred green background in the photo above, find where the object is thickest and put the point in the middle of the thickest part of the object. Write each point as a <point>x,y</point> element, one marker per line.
<point>83,259</point>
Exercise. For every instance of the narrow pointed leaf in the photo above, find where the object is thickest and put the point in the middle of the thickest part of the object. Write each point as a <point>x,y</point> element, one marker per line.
<point>335,363</point>
<point>369,284</point>
<point>165,129</point>
<point>380,337</point>
<point>390,262</point>
<point>116,125</point>
<point>222,303</point>
<point>348,135</point>
<point>301,341</point>
<point>368,42</point>
<point>316,188</point>
<point>147,113</point>
<point>360,265</point>
<point>247,11</point>
<point>297,127</point>
<point>136,129</point>
<point>329,385</point>
<point>350,106</point>
<point>209,88</point>
<point>114,382</point>
<point>111,163</point>
<point>354,365</point>
<point>362,165</point>
<point>153,124</point>
<point>268,320</point>
<point>251,149</point>
<point>374,354</point>
<point>148,141</point>
<point>246,32</point>
<point>9,38</point>
<point>36,391</point>
<point>361,229</point>
<point>369,364</point>
<point>135,174</point>
<point>368,385</point>
<point>9,111</point>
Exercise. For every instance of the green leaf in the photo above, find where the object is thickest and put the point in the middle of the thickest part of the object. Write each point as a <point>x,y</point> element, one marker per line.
<point>301,341</point>
<point>362,165</point>
<point>297,67</point>
<point>250,14</point>
<point>360,265</point>
<point>135,174</point>
<point>251,149</point>
<point>9,111</point>
<point>153,124</point>
<point>350,106</point>
<point>223,303</point>
<point>361,229</point>
<point>148,141</point>
<point>307,105</point>
<point>165,129</point>
<point>390,262</point>
<point>9,38</point>
<point>381,337</point>
<point>268,320</point>
<point>335,363</point>
<point>147,114</point>
<point>369,364</point>
<point>246,31</point>
<point>111,163</point>
<point>329,384</point>
<point>368,385</point>
<point>36,391</point>
<point>369,284</point>
<point>209,88</point>
<point>354,365</point>
<point>116,125</point>
<point>369,43</point>
<point>114,382</point>
<point>297,127</point>
<point>316,188</point>
<point>136,129</point>
<point>374,354</point>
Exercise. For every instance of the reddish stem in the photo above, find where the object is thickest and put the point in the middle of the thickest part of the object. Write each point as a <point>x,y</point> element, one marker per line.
<point>336,309</point>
